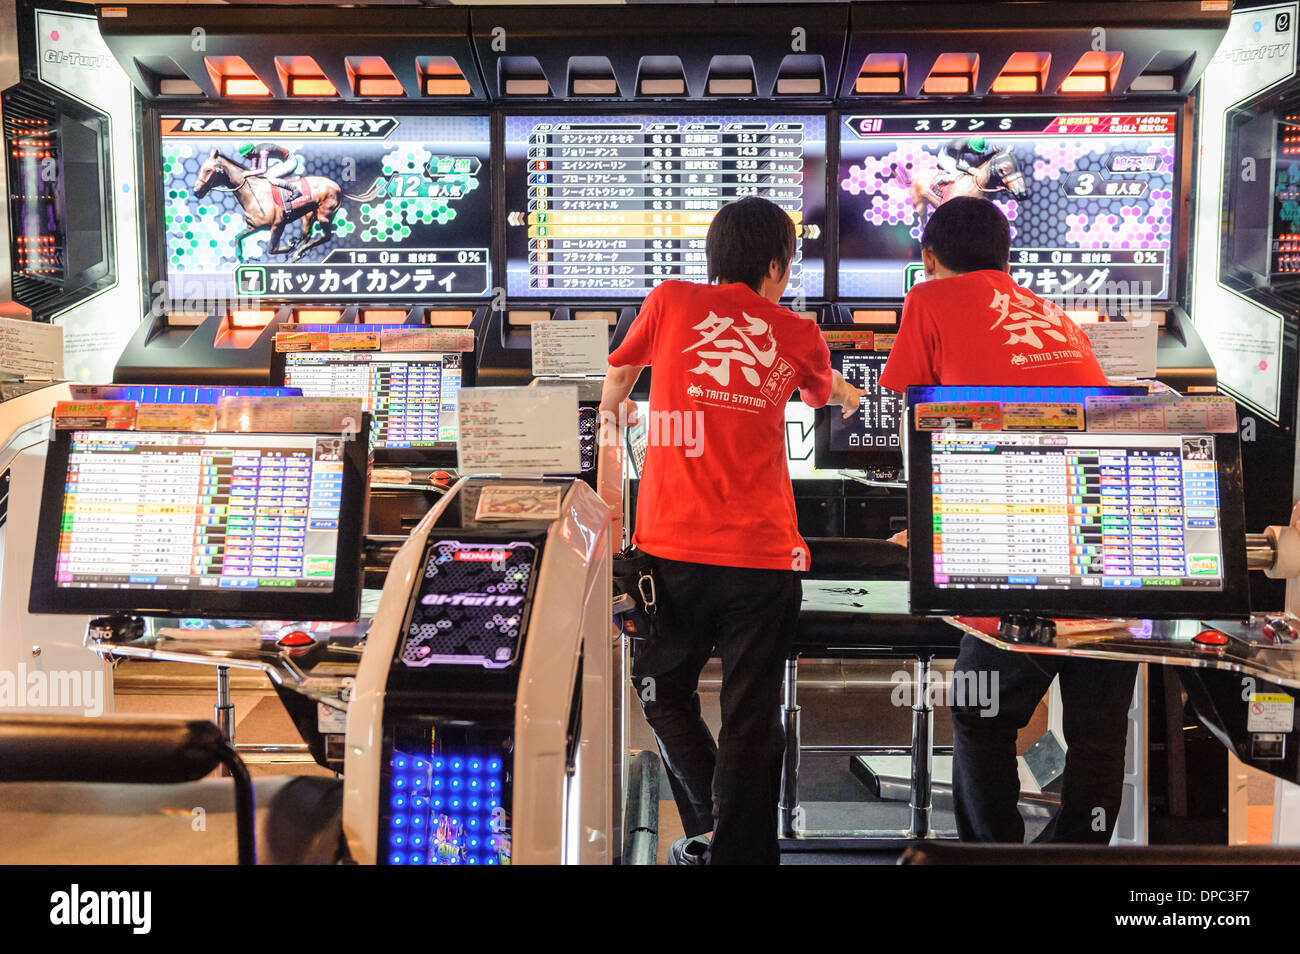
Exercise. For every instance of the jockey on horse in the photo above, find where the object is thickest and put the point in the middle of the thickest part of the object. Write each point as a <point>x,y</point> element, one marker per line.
<point>961,156</point>
<point>259,157</point>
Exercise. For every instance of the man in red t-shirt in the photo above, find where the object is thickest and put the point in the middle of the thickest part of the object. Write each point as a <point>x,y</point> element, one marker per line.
<point>716,512</point>
<point>969,323</point>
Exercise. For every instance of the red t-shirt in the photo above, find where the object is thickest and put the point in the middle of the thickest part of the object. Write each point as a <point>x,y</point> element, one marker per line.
<point>716,486</point>
<point>982,328</point>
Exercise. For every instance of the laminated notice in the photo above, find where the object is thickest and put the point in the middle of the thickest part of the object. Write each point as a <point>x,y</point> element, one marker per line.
<point>1042,417</point>
<point>959,415</point>
<point>354,341</point>
<point>94,415</point>
<point>302,341</point>
<point>176,417</point>
<point>849,339</point>
<point>426,339</point>
<point>324,415</point>
<point>1212,414</point>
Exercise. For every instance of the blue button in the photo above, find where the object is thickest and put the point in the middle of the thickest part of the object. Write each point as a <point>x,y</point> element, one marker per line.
<point>143,579</point>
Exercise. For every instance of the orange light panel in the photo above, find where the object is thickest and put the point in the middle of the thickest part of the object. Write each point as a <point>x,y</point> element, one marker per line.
<point>317,316</point>
<point>234,77</point>
<point>878,83</point>
<point>1016,83</point>
<point>1095,72</point>
<point>311,86</point>
<point>882,73</point>
<point>867,317</point>
<point>372,77</point>
<point>1085,83</point>
<point>384,316</point>
<point>952,73</point>
<point>947,84</point>
<point>450,318</point>
<point>1086,317</point>
<point>437,86</point>
<point>251,318</point>
<point>240,86</point>
<point>378,86</point>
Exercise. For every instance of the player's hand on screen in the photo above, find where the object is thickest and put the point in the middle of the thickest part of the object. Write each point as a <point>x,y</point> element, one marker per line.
<point>851,400</point>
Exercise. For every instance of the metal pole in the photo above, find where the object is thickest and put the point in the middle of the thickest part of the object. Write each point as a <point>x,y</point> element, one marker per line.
<point>790,761</point>
<point>922,747</point>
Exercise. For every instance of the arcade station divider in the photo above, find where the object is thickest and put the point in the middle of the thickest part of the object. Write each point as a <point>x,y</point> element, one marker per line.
<point>491,167</point>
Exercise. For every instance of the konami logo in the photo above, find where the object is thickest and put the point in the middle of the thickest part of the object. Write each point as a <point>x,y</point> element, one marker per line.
<point>480,556</point>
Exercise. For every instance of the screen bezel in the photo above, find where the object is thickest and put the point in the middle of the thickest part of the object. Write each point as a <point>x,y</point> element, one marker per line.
<point>1179,243</point>
<point>153,233</point>
<point>830,207</point>
<point>445,452</point>
<point>1232,601</point>
<point>342,603</point>
<point>825,458</point>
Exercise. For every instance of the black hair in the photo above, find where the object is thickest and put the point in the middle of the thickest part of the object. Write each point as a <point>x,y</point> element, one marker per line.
<point>745,237</point>
<point>967,234</point>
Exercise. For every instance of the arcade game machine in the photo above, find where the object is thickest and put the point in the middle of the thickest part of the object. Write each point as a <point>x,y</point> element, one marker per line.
<point>70,166</point>
<point>1076,126</point>
<point>622,133</point>
<point>341,183</point>
<point>1244,265</point>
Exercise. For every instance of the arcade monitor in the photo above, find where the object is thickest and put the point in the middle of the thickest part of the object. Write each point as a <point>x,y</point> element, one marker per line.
<point>608,206</point>
<point>1092,198</point>
<point>412,396</point>
<point>870,440</point>
<point>1076,523</point>
<point>232,525</point>
<point>335,209</point>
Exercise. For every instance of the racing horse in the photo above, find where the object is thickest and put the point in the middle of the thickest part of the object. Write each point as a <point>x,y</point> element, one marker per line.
<point>321,198</point>
<point>1001,173</point>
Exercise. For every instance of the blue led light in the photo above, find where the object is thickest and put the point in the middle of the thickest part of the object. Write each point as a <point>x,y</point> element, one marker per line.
<point>397,841</point>
<point>400,820</point>
<point>399,802</point>
<point>398,858</point>
<point>399,763</point>
<point>437,803</point>
<point>399,782</point>
<point>417,820</point>
<point>417,802</point>
<point>473,842</point>
<point>494,765</point>
<point>476,766</point>
<point>473,783</point>
<point>473,861</point>
<point>417,841</point>
<point>452,783</point>
<point>418,782</point>
<point>417,859</point>
<point>437,765</point>
<point>456,765</point>
<point>437,783</point>
<point>455,783</point>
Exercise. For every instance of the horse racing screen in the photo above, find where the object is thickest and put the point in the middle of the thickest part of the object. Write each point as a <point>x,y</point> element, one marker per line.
<point>1092,198</point>
<point>608,206</point>
<point>335,208</point>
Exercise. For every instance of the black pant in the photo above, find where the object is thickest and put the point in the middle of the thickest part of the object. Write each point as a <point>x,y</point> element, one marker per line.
<point>731,788</point>
<point>1095,696</point>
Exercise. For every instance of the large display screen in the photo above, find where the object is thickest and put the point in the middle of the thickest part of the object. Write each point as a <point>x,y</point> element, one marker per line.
<point>609,206</point>
<point>332,208</point>
<point>1070,520</point>
<point>412,397</point>
<point>138,519</point>
<point>870,438</point>
<point>1091,198</point>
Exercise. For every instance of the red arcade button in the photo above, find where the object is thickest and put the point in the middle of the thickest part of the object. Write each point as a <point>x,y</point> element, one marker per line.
<point>1211,638</point>
<point>297,638</point>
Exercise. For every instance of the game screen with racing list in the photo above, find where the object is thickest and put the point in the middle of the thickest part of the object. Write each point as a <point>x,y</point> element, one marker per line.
<point>608,206</point>
<point>348,208</point>
<point>1090,198</point>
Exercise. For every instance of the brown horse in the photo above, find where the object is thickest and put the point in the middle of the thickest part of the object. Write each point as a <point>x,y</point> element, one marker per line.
<point>255,197</point>
<point>1001,173</point>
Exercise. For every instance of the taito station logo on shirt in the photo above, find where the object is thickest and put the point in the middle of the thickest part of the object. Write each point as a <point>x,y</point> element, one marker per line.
<point>1028,320</point>
<point>752,348</point>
